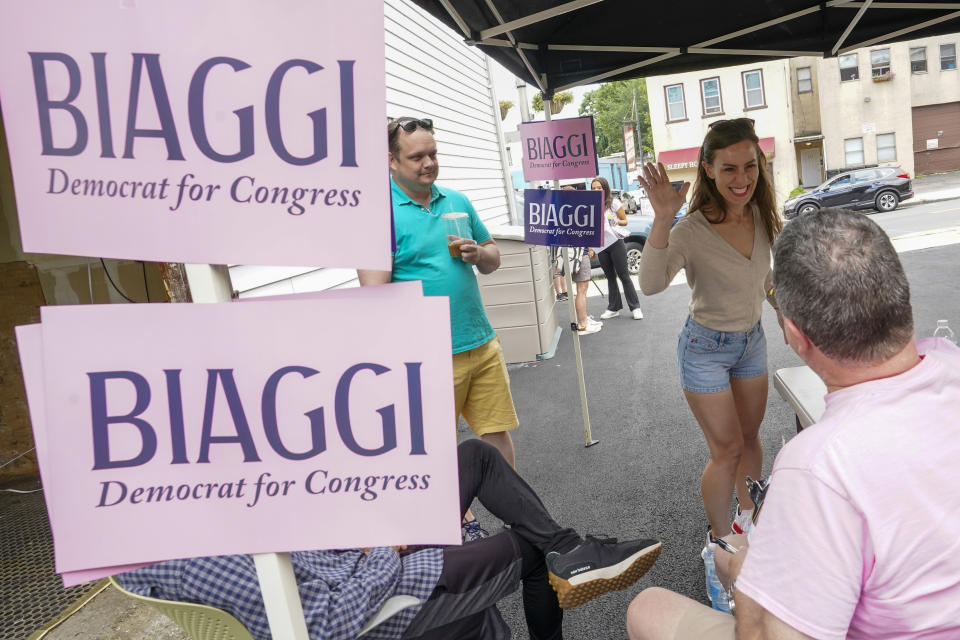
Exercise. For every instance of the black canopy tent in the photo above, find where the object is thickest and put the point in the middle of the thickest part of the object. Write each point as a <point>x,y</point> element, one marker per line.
<point>558,45</point>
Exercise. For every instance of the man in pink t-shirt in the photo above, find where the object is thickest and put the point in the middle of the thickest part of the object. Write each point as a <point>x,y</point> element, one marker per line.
<point>859,536</point>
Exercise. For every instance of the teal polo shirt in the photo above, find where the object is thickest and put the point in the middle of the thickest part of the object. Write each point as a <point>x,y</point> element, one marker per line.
<point>422,254</point>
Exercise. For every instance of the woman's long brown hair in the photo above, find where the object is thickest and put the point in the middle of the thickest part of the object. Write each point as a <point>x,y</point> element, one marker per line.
<point>607,194</point>
<point>705,194</point>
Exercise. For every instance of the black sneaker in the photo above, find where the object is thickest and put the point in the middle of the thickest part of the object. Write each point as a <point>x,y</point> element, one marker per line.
<point>561,297</point>
<point>597,566</point>
<point>472,531</point>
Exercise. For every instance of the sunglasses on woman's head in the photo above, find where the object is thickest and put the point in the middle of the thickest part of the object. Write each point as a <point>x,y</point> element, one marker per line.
<point>734,122</point>
<point>410,124</point>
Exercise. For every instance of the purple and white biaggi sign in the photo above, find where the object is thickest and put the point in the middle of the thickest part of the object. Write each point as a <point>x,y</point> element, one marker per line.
<point>563,217</point>
<point>558,149</point>
<point>176,435</point>
<point>222,131</point>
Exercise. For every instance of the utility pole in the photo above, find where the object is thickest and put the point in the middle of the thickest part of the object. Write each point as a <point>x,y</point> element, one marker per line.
<point>524,103</point>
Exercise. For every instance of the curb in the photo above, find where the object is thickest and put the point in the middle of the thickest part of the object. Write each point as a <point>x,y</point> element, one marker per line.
<point>922,200</point>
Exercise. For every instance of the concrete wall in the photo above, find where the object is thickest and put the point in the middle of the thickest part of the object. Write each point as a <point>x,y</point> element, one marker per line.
<point>806,106</point>
<point>863,108</point>
<point>936,86</point>
<point>773,120</point>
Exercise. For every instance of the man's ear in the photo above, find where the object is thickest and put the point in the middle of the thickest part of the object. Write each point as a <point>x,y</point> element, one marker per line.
<point>797,339</point>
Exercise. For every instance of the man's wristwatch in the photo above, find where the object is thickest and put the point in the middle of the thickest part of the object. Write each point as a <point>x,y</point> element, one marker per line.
<point>730,602</point>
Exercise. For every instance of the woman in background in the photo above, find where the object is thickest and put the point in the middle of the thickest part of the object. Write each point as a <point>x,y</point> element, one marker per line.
<point>613,256</point>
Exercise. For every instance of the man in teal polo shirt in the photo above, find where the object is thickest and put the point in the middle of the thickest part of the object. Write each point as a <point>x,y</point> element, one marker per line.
<point>481,384</point>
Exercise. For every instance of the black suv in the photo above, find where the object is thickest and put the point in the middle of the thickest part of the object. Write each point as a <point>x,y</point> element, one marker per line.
<point>880,188</point>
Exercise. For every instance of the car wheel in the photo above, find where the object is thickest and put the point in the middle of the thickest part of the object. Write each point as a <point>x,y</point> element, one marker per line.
<point>807,208</point>
<point>634,253</point>
<point>887,201</point>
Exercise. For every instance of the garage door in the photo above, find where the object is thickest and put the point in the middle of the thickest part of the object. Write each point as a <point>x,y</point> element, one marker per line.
<point>936,138</point>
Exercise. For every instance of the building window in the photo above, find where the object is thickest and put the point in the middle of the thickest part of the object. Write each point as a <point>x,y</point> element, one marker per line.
<point>880,63</point>
<point>753,97</point>
<point>948,56</point>
<point>849,70</point>
<point>710,91</point>
<point>804,81</point>
<point>676,110</point>
<point>853,151</point>
<point>918,60</point>
<point>886,147</point>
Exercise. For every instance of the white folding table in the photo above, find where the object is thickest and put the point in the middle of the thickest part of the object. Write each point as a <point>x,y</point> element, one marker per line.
<point>804,391</point>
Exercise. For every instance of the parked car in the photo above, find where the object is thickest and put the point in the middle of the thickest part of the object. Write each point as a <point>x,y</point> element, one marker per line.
<point>880,188</point>
<point>639,226</point>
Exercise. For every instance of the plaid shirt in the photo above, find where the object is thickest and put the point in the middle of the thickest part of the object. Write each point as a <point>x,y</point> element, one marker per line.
<point>340,590</point>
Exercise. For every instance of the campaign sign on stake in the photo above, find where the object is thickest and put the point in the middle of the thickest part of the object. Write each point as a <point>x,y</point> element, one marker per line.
<point>187,430</point>
<point>223,131</point>
<point>558,149</point>
<point>563,217</point>
<point>30,346</point>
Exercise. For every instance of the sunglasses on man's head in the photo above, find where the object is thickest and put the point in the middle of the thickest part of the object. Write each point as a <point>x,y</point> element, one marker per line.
<point>410,125</point>
<point>734,122</point>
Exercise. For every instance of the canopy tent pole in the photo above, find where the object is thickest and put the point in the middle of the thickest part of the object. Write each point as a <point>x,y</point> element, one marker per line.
<point>534,18</point>
<point>853,23</point>
<point>572,308</point>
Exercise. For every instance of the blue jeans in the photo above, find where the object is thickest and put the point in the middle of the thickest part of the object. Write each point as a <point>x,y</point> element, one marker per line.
<point>708,358</point>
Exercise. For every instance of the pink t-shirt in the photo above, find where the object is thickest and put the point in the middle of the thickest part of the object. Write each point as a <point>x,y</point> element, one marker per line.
<point>859,536</point>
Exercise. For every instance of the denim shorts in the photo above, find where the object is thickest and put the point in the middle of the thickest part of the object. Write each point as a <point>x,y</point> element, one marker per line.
<point>708,358</point>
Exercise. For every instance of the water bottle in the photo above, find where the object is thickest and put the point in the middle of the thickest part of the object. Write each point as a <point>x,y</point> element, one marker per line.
<point>715,590</point>
<point>944,331</point>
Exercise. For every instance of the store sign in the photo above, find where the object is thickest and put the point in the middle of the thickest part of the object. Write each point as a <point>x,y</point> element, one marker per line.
<point>190,430</point>
<point>629,148</point>
<point>558,149</point>
<point>204,132</point>
<point>683,165</point>
<point>563,217</point>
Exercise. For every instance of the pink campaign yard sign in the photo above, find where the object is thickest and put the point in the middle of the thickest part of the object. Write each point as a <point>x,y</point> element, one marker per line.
<point>30,345</point>
<point>222,131</point>
<point>558,149</point>
<point>183,430</point>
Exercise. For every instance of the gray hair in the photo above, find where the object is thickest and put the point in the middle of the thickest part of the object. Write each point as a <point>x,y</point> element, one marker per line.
<point>838,278</point>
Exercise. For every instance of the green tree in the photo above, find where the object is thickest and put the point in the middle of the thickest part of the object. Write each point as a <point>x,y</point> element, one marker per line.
<point>610,105</point>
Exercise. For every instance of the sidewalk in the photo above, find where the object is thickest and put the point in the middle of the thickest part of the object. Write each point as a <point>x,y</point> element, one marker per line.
<point>934,188</point>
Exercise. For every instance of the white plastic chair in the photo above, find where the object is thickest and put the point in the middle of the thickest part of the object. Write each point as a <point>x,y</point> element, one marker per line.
<point>202,622</point>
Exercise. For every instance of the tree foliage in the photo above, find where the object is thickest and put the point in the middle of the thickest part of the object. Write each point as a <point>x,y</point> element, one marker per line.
<point>610,105</point>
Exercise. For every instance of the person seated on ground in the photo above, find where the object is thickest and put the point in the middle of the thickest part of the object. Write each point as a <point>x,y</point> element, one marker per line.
<point>459,586</point>
<point>858,533</point>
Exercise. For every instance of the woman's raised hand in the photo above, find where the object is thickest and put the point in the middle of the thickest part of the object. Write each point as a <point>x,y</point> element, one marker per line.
<point>664,199</point>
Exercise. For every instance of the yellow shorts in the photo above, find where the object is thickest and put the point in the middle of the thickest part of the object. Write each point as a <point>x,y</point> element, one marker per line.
<point>482,389</point>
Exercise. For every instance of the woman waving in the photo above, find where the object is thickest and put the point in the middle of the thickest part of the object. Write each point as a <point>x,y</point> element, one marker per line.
<point>723,244</point>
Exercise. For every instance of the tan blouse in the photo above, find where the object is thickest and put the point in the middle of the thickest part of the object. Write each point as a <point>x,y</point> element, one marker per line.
<point>728,289</point>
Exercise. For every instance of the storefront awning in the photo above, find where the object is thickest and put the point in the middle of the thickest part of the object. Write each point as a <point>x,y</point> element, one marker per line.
<point>688,158</point>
